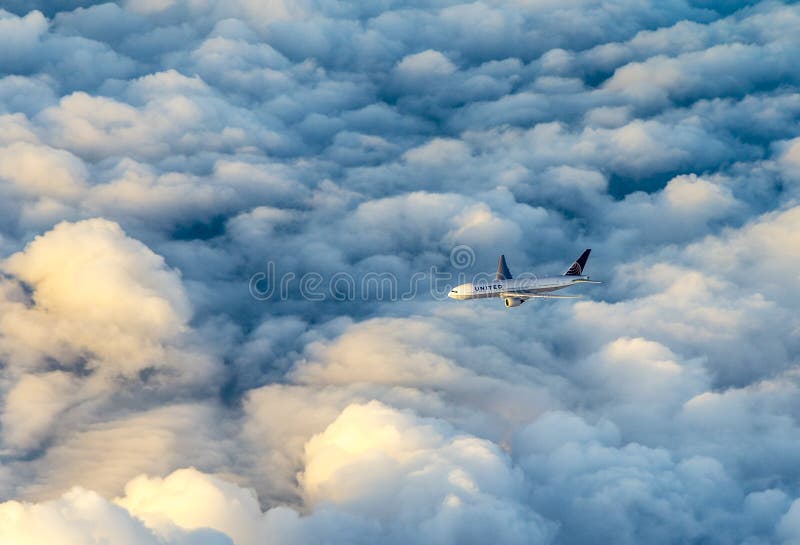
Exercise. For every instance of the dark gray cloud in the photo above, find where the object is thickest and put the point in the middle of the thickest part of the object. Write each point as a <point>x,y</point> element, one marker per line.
<point>156,154</point>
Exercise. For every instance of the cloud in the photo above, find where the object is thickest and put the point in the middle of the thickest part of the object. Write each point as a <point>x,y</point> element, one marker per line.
<point>22,34</point>
<point>74,61</point>
<point>86,309</point>
<point>429,63</point>
<point>468,489</point>
<point>685,208</point>
<point>788,528</point>
<point>460,488</point>
<point>438,151</point>
<point>82,516</point>
<point>91,274</point>
<point>155,155</point>
<point>189,499</point>
<point>582,470</point>
<point>696,73</point>
<point>103,454</point>
<point>28,166</point>
<point>32,405</point>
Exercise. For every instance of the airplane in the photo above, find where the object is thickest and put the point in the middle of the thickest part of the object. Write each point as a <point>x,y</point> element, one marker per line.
<point>515,292</point>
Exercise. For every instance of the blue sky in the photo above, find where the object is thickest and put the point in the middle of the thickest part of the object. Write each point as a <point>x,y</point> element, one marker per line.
<point>155,155</point>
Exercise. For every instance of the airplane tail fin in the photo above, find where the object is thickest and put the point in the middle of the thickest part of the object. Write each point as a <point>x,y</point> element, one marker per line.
<point>502,270</point>
<point>576,269</point>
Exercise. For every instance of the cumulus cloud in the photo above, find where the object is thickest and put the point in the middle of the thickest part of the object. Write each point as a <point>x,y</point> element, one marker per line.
<point>456,489</point>
<point>155,155</point>
<point>447,487</point>
<point>82,516</point>
<point>91,274</point>
<point>85,310</point>
<point>43,171</point>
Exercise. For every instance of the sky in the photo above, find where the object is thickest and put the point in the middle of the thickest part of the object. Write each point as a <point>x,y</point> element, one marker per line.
<point>204,203</point>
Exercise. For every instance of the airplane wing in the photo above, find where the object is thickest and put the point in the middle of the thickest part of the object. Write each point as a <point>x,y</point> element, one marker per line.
<point>539,296</point>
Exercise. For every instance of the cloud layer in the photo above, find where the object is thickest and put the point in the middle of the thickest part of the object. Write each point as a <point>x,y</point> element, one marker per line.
<point>155,155</point>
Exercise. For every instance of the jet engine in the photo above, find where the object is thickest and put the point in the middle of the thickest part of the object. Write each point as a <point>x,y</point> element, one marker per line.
<point>513,301</point>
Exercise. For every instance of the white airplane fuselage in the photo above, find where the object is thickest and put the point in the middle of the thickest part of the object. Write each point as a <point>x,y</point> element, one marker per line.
<point>509,288</point>
<point>515,291</point>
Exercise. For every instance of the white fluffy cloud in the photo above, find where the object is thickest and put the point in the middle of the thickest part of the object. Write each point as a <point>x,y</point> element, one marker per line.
<point>97,292</point>
<point>82,516</point>
<point>155,154</point>
<point>39,170</point>
<point>435,485</point>
<point>375,461</point>
<point>86,309</point>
